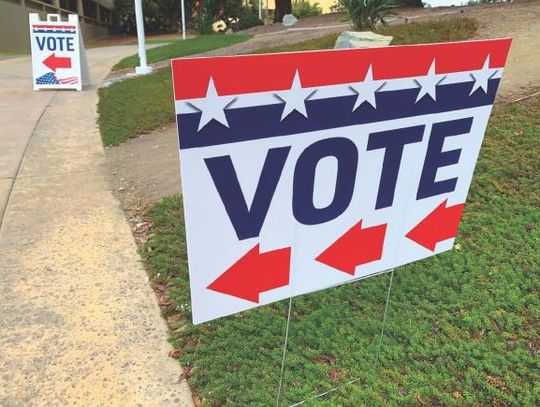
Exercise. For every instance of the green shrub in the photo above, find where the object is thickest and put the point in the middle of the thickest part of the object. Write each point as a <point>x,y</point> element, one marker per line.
<point>303,8</point>
<point>247,18</point>
<point>202,21</point>
<point>207,12</point>
<point>367,13</point>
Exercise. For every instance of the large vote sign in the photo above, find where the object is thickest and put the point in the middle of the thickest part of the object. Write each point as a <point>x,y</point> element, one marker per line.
<point>302,171</point>
<point>58,58</point>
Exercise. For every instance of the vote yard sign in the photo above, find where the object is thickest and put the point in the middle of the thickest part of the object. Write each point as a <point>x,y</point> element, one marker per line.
<point>302,171</point>
<point>57,59</point>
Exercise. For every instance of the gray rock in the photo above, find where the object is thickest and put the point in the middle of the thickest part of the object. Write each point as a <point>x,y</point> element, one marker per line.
<point>445,3</point>
<point>289,20</point>
<point>363,39</point>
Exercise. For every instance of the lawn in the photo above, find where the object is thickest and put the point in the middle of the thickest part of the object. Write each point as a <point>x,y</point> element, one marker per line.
<point>463,328</point>
<point>151,102</point>
<point>181,48</point>
<point>150,105</point>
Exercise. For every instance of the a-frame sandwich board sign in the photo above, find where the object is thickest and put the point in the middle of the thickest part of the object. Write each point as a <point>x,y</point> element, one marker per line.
<point>58,57</point>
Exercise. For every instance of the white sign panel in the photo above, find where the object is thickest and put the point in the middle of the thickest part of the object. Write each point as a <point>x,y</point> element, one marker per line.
<point>58,60</point>
<point>302,171</point>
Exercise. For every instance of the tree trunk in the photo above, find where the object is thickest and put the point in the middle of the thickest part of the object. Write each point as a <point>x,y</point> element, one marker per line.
<point>282,7</point>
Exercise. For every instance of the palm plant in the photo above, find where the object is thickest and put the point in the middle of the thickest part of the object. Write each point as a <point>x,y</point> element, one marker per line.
<point>368,13</point>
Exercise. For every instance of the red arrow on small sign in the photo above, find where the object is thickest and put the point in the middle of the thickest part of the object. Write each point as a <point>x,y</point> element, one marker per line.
<point>356,247</point>
<point>53,62</point>
<point>441,224</point>
<point>254,273</point>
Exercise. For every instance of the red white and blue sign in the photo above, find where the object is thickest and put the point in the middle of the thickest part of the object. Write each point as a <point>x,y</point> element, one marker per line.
<point>302,171</point>
<point>56,52</point>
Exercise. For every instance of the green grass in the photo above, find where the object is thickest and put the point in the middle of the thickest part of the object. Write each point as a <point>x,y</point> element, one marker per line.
<point>100,44</point>
<point>181,48</point>
<point>463,328</point>
<point>324,42</point>
<point>135,106</point>
<point>150,102</point>
<point>428,32</point>
<point>451,29</point>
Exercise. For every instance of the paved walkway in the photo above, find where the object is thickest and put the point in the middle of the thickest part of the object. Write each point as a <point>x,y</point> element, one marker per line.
<point>79,324</point>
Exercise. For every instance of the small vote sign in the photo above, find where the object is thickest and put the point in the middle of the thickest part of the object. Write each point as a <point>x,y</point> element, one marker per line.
<point>58,58</point>
<point>302,171</point>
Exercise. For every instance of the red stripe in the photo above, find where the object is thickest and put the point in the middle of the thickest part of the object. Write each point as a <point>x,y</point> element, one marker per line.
<point>68,79</point>
<point>261,73</point>
<point>71,27</point>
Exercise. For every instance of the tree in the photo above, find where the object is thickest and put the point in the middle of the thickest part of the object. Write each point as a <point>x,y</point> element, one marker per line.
<point>282,7</point>
<point>159,15</point>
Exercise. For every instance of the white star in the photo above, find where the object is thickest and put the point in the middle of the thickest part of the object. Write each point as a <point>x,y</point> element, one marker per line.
<point>295,98</point>
<point>366,90</point>
<point>481,77</point>
<point>212,106</point>
<point>428,84</point>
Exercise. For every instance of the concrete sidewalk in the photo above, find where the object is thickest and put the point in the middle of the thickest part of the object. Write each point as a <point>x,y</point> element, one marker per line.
<point>79,324</point>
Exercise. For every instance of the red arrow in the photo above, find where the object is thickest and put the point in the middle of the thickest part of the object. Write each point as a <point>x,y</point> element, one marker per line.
<point>441,224</point>
<point>357,246</point>
<point>53,62</point>
<point>254,273</point>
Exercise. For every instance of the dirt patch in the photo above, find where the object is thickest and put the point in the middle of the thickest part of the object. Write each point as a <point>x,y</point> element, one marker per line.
<point>145,169</point>
<point>521,21</point>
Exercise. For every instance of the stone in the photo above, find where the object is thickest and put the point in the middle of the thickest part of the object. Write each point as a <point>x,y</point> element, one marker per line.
<point>445,3</point>
<point>289,20</point>
<point>362,39</point>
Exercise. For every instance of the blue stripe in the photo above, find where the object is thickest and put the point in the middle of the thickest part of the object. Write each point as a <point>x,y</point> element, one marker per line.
<point>259,122</point>
<point>53,32</point>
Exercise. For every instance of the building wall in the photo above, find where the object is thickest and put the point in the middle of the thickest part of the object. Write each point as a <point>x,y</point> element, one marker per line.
<point>93,32</point>
<point>15,32</point>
